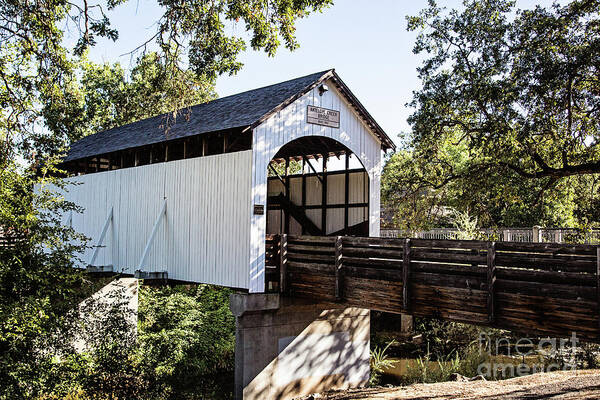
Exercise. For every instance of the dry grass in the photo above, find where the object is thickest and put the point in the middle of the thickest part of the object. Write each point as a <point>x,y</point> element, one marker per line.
<point>583,384</point>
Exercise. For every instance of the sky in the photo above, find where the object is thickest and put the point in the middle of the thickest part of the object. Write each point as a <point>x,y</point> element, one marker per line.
<point>366,41</point>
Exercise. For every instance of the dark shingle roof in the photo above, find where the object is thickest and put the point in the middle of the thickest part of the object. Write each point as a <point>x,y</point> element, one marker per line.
<point>241,110</point>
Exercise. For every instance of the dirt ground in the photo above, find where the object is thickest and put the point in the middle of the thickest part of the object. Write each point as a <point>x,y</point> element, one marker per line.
<point>553,385</point>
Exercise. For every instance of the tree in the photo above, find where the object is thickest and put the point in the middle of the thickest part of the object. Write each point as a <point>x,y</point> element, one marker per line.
<point>411,190</point>
<point>521,93</point>
<point>186,341</point>
<point>38,284</point>
<point>100,97</point>
<point>506,122</point>
<point>35,63</point>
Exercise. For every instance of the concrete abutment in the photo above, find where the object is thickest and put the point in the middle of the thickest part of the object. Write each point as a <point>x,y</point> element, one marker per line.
<point>286,348</point>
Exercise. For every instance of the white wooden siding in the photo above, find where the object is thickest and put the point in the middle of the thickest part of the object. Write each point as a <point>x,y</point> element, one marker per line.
<point>289,124</point>
<point>205,233</point>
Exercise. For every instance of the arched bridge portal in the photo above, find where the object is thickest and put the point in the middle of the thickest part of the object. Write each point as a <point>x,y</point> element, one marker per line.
<point>316,186</point>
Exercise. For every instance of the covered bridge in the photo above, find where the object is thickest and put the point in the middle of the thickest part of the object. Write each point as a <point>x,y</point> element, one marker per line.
<point>284,168</point>
<point>193,198</point>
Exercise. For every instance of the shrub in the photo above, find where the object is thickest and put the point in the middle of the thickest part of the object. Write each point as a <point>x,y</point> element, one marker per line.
<point>186,341</point>
<point>379,363</point>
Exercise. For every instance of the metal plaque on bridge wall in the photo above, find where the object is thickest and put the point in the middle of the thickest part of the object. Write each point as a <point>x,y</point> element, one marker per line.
<point>323,116</point>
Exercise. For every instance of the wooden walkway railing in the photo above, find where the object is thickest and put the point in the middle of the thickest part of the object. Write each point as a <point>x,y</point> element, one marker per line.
<point>534,288</point>
<point>535,234</point>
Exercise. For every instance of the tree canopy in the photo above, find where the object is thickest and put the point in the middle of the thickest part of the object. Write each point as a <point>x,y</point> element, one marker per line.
<point>506,123</point>
<point>522,92</point>
<point>103,96</point>
<point>37,67</point>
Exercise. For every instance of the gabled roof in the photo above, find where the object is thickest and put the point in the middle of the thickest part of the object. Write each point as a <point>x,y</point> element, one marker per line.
<point>242,111</point>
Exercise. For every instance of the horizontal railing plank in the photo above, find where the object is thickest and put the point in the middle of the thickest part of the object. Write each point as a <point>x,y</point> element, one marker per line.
<point>538,288</point>
<point>557,248</point>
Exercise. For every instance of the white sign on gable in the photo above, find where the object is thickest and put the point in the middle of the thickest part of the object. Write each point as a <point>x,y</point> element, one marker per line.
<point>323,116</point>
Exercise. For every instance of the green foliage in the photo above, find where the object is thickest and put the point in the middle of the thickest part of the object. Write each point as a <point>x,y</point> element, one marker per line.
<point>100,97</point>
<point>521,92</point>
<point>415,206</point>
<point>465,224</point>
<point>443,339</point>
<point>506,122</point>
<point>447,348</point>
<point>211,50</point>
<point>186,341</point>
<point>589,357</point>
<point>295,167</point>
<point>419,200</point>
<point>183,349</point>
<point>38,285</point>
<point>39,71</point>
<point>380,362</point>
<point>427,370</point>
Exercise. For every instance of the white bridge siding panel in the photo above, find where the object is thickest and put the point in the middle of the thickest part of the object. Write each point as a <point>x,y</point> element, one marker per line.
<point>289,124</point>
<point>90,224</point>
<point>314,190</point>
<point>204,235</point>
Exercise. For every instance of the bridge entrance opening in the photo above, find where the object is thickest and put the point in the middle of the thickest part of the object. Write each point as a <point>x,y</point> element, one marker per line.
<point>317,186</point>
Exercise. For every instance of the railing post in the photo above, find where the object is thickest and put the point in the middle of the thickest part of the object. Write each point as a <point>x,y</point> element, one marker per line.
<point>339,273</point>
<point>406,275</point>
<point>491,282</point>
<point>536,234</point>
<point>283,275</point>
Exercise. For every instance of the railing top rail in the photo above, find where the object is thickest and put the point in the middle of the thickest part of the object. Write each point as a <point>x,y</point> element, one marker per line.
<point>452,243</point>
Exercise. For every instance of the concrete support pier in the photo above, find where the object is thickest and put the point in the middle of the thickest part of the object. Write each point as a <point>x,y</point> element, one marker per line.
<point>286,349</point>
<point>407,323</point>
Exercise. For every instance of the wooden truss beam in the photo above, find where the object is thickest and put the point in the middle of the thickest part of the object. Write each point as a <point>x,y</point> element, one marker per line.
<point>313,168</point>
<point>109,219</point>
<point>162,212</point>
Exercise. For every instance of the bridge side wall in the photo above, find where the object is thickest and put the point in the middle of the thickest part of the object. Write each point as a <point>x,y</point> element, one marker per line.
<point>285,349</point>
<point>289,124</point>
<point>204,234</point>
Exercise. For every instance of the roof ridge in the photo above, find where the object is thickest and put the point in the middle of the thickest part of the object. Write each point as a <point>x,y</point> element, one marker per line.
<point>321,73</point>
<point>241,111</point>
<point>162,115</point>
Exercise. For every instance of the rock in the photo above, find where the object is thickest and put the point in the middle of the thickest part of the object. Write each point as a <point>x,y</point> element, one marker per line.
<point>478,378</point>
<point>458,378</point>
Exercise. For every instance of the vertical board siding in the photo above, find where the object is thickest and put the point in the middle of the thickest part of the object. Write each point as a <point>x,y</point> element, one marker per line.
<point>313,191</point>
<point>295,190</point>
<point>289,124</point>
<point>204,235</point>
<point>335,189</point>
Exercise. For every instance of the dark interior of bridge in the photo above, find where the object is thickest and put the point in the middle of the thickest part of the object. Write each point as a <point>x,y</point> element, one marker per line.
<point>316,186</point>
